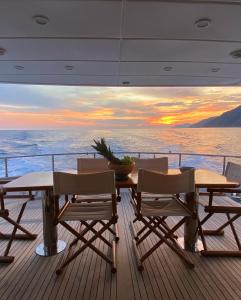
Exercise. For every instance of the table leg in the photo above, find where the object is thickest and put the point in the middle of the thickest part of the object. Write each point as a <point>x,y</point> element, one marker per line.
<point>191,242</point>
<point>50,245</point>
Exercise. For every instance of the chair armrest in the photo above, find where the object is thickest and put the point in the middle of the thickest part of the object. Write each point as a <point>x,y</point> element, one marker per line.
<point>225,190</point>
<point>5,180</point>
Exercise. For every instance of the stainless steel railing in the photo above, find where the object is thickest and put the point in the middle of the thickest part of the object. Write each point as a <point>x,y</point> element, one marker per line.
<point>179,156</point>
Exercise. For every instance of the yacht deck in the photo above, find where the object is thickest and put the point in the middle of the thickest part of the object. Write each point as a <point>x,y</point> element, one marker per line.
<point>89,277</point>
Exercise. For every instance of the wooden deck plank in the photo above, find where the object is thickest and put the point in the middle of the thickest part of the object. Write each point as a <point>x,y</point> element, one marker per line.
<point>89,277</point>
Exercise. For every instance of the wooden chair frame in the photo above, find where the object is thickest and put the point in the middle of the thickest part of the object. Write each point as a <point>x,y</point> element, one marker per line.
<point>88,226</point>
<point>25,235</point>
<point>232,213</point>
<point>164,233</point>
<point>89,243</point>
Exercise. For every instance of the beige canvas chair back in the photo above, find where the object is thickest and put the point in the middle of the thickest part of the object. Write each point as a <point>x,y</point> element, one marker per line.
<point>159,183</point>
<point>159,164</point>
<point>84,184</point>
<point>88,165</point>
<point>233,172</point>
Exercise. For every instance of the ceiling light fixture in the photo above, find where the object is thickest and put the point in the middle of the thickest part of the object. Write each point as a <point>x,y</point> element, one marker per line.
<point>236,53</point>
<point>68,67</point>
<point>41,20</point>
<point>202,23</point>
<point>19,67</point>
<point>2,51</point>
<point>168,68</point>
<point>215,69</point>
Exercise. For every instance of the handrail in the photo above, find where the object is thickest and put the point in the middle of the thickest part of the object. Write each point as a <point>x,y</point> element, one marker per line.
<point>138,153</point>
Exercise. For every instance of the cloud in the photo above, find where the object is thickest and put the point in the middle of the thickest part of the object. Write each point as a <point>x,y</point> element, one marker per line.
<point>60,106</point>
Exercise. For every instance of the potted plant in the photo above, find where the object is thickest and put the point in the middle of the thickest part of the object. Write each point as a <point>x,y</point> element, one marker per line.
<point>121,166</point>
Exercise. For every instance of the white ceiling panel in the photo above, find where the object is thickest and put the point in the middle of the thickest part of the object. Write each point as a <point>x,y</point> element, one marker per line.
<point>180,68</point>
<point>150,43</point>
<point>58,68</point>
<point>61,79</point>
<point>163,20</point>
<point>176,81</point>
<point>93,19</point>
<point>60,49</point>
<point>178,50</point>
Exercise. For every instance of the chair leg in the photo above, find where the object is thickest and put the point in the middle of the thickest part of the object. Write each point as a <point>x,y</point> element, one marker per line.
<point>234,232</point>
<point>12,236</point>
<point>87,243</point>
<point>202,236</point>
<point>118,198</point>
<point>113,267</point>
<point>174,246</point>
<point>231,253</point>
<point>218,231</point>
<point>91,228</point>
<point>138,257</point>
<point>115,232</point>
<point>117,237</point>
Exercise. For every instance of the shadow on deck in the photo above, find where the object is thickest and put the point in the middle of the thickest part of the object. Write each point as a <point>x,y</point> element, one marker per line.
<point>88,277</point>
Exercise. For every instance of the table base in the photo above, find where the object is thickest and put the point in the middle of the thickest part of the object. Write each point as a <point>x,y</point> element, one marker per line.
<point>42,251</point>
<point>198,247</point>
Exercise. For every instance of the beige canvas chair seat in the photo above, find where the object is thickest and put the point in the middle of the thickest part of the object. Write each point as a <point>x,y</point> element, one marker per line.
<point>220,204</point>
<point>168,207</point>
<point>95,216</point>
<point>92,211</point>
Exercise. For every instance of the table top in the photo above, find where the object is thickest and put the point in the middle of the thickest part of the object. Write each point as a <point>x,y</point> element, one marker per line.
<point>44,181</point>
<point>203,179</point>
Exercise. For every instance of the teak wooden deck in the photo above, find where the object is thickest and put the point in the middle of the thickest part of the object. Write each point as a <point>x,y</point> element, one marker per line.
<point>89,277</point>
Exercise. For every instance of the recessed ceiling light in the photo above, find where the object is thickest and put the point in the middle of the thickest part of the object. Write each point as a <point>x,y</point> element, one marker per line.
<point>68,67</point>
<point>215,69</point>
<point>19,67</point>
<point>126,82</point>
<point>2,51</point>
<point>236,54</point>
<point>203,23</point>
<point>41,20</point>
<point>168,68</point>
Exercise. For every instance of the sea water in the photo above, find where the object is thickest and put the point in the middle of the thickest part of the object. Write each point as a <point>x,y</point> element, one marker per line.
<point>220,141</point>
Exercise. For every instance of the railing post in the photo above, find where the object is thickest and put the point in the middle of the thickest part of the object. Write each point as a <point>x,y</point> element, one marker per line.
<point>94,155</point>
<point>52,162</point>
<point>6,166</point>
<point>180,159</point>
<point>224,164</point>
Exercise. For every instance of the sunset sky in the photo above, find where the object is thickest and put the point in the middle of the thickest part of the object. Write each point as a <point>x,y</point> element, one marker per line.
<point>37,107</point>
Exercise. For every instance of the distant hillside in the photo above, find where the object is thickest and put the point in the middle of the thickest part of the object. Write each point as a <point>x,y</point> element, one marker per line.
<point>231,118</point>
